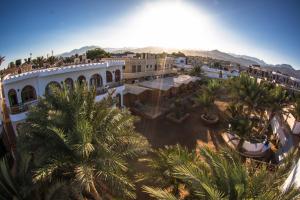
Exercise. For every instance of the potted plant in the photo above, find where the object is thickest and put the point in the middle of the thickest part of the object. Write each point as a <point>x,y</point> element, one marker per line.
<point>206,99</point>
<point>178,113</point>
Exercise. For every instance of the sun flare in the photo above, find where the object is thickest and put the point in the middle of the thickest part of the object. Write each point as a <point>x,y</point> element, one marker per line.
<point>169,25</point>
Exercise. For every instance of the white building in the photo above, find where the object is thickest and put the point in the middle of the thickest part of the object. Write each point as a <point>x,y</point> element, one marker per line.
<point>22,90</point>
<point>218,73</point>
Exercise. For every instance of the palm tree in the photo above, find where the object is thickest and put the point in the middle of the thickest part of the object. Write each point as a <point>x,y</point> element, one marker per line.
<point>221,175</point>
<point>196,71</point>
<point>73,138</point>
<point>249,92</point>
<point>2,58</point>
<point>240,123</point>
<point>257,98</point>
<point>296,110</point>
<point>19,185</point>
<point>39,62</point>
<point>206,97</point>
<point>51,60</point>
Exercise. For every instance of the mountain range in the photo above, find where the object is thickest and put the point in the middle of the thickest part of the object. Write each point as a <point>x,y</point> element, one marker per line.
<point>243,60</point>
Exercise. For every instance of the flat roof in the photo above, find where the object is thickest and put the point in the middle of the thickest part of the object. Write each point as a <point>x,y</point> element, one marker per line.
<point>59,70</point>
<point>168,82</point>
<point>134,89</point>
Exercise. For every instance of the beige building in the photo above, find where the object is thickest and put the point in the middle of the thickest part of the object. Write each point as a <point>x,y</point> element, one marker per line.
<point>147,66</point>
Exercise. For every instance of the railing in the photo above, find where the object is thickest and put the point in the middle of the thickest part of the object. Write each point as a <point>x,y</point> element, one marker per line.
<point>101,90</point>
<point>115,84</point>
<point>22,107</point>
<point>104,89</point>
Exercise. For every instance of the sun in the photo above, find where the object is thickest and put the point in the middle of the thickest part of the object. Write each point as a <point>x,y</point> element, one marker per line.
<point>175,24</point>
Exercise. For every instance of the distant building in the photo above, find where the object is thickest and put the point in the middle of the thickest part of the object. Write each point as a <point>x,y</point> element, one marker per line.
<point>219,73</point>
<point>82,59</point>
<point>284,80</point>
<point>146,66</point>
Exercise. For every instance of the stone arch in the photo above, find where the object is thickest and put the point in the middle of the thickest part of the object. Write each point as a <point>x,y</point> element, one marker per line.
<point>51,85</point>
<point>69,83</point>
<point>28,94</point>
<point>109,77</point>
<point>81,79</point>
<point>96,81</point>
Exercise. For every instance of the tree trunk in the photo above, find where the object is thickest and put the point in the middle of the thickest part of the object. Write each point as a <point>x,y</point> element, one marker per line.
<point>240,145</point>
<point>94,192</point>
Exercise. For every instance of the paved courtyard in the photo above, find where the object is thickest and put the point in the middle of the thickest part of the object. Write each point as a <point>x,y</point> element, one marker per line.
<point>161,131</point>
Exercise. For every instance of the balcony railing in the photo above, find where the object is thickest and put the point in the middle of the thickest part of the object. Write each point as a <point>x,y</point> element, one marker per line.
<point>104,89</point>
<point>22,107</point>
<point>115,84</point>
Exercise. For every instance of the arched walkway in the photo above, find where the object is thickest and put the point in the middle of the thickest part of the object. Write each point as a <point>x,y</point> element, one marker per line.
<point>81,79</point>
<point>109,77</point>
<point>28,94</point>
<point>117,75</point>
<point>50,86</point>
<point>12,97</point>
<point>69,83</point>
<point>96,81</point>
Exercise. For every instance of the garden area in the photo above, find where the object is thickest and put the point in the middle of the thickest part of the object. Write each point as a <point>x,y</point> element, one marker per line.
<point>71,147</point>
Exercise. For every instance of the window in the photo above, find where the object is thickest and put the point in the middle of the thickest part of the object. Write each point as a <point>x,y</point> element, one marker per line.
<point>139,69</point>
<point>133,68</point>
<point>28,94</point>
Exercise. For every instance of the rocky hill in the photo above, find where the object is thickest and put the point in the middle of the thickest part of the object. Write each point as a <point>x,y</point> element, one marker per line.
<point>243,60</point>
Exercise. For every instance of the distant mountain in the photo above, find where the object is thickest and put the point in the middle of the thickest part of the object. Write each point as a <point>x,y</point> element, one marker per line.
<point>285,69</point>
<point>258,61</point>
<point>79,51</point>
<point>243,60</point>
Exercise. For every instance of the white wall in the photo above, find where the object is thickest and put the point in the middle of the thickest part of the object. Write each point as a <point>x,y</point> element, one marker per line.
<point>40,82</point>
<point>41,78</point>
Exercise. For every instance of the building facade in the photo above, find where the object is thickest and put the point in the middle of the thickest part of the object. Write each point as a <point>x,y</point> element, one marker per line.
<point>22,90</point>
<point>147,66</point>
<point>284,80</point>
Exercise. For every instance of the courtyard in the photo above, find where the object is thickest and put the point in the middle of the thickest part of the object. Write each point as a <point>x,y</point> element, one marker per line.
<point>192,131</point>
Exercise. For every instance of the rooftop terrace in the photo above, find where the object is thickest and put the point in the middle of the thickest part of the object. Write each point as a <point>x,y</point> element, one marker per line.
<point>59,70</point>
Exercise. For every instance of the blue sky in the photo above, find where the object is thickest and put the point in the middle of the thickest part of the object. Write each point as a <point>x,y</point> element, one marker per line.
<point>267,29</point>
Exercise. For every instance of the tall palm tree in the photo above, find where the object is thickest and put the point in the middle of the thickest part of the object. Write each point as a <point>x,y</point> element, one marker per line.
<point>2,58</point>
<point>207,95</point>
<point>221,175</point>
<point>240,123</point>
<point>249,92</point>
<point>19,185</point>
<point>73,138</point>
